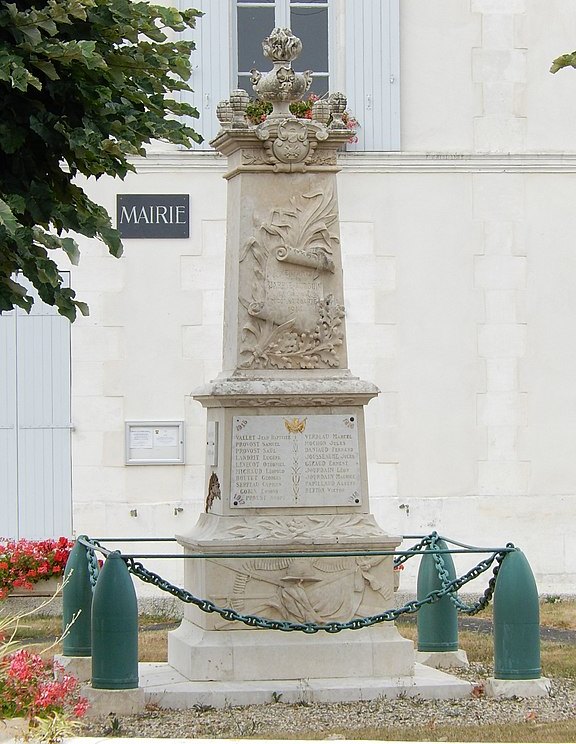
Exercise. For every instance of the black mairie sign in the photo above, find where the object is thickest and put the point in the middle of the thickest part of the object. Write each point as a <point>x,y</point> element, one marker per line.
<point>153,215</point>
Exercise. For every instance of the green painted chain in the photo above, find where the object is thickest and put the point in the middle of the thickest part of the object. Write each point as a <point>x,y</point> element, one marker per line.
<point>93,569</point>
<point>444,576</point>
<point>137,569</point>
<point>400,559</point>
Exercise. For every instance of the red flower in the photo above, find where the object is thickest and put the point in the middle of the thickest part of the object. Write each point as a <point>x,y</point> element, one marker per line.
<point>25,561</point>
<point>30,688</point>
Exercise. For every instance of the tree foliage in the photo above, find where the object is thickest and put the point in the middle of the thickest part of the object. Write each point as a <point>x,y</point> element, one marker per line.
<point>84,85</point>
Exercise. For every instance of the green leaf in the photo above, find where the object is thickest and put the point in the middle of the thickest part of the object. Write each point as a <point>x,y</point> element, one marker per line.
<point>83,307</point>
<point>70,246</point>
<point>46,67</point>
<point>49,26</point>
<point>566,60</point>
<point>21,79</point>
<point>7,219</point>
<point>32,34</point>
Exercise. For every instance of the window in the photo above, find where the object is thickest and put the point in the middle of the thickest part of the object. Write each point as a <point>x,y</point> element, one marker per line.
<point>308,20</point>
<point>350,45</point>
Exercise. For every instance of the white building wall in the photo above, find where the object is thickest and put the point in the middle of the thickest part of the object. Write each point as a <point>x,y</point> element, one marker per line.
<point>459,268</point>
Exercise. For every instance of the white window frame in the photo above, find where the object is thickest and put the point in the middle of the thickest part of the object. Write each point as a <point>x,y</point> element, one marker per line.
<point>282,20</point>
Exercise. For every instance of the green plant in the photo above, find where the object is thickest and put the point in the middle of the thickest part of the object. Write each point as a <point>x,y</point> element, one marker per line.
<point>55,727</point>
<point>552,598</point>
<point>114,726</point>
<point>258,111</point>
<point>26,562</point>
<point>36,689</point>
<point>202,707</point>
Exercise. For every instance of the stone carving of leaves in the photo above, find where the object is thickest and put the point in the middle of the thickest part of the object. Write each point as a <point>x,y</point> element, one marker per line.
<point>282,348</point>
<point>306,227</point>
<point>306,527</point>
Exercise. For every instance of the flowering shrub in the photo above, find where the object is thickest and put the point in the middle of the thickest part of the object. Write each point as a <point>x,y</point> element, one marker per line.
<point>28,688</point>
<point>25,562</point>
<point>258,110</point>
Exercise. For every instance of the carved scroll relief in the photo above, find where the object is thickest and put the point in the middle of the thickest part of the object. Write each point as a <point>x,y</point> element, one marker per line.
<point>290,322</point>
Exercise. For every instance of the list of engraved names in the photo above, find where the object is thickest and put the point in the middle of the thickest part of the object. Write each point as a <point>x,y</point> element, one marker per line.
<point>295,461</point>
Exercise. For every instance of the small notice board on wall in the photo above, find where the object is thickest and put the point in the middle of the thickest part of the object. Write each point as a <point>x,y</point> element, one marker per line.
<point>154,442</point>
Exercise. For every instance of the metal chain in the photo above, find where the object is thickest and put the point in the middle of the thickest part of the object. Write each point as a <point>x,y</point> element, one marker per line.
<point>444,576</point>
<point>93,568</point>
<point>255,621</point>
<point>400,559</point>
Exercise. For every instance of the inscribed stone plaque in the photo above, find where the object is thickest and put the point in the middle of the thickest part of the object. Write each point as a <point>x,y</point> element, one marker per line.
<point>292,293</point>
<point>280,461</point>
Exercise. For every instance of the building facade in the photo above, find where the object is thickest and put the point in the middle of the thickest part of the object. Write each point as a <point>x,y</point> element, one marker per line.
<point>457,222</point>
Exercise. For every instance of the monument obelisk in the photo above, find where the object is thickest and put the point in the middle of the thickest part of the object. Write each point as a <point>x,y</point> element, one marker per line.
<point>286,458</point>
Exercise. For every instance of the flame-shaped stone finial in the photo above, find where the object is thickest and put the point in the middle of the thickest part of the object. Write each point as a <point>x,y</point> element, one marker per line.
<point>282,46</point>
<point>281,85</point>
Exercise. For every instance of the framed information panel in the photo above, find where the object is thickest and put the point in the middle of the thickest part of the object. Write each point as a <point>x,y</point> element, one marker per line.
<point>154,442</point>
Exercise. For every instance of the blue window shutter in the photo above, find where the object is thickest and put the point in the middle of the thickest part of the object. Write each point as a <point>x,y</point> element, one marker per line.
<point>43,402</point>
<point>372,72</point>
<point>8,430</point>
<point>35,462</point>
<point>210,65</point>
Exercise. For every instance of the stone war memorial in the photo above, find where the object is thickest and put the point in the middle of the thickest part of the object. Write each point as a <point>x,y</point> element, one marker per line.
<point>286,472</point>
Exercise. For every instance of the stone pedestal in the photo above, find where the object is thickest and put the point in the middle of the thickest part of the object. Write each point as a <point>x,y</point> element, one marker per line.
<point>518,688</point>
<point>443,659</point>
<point>286,469</point>
<point>117,702</point>
<point>291,588</point>
<point>76,666</point>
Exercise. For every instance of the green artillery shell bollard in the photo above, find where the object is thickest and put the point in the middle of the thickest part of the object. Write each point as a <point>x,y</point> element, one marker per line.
<point>437,622</point>
<point>114,628</point>
<point>516,620</point>
<point>77,604</point>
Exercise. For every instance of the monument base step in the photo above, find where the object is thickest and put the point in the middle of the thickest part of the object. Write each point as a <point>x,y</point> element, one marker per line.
<point>228,655</point>
<point>166,687</point>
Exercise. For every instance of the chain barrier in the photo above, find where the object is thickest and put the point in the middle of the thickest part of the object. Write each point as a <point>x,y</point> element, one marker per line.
<point>484,600</point>
<point>449,587</point>
<point>93,568</point>
<point>400,559</point>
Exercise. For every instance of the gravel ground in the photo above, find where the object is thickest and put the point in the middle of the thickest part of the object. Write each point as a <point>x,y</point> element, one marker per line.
<point>340,720</point>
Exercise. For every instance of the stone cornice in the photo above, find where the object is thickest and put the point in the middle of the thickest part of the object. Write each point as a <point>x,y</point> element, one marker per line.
<point>434,162</point>
<point>274,392</point>
<point>382,162</point>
